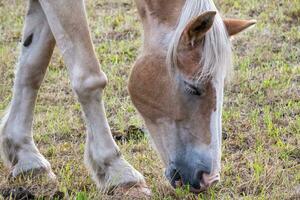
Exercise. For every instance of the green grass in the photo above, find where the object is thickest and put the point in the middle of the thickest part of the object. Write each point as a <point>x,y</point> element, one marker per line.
<point>261,156</point>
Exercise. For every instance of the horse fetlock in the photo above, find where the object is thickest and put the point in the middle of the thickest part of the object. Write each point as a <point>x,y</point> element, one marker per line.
<point>113,172</point>
<point>8,148</point>
<point>22,156</point>
<point>32,163</point>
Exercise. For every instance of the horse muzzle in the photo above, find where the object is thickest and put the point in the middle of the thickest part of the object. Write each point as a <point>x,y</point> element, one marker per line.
<point>194,173</point>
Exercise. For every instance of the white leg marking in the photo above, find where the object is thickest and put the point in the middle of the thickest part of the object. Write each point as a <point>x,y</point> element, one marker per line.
<point>17,148</point>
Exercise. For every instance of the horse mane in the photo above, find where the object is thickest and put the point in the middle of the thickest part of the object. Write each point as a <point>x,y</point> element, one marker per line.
<point>216,53</point>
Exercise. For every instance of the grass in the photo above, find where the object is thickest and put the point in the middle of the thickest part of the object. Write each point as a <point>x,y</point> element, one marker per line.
<point>261,155</point>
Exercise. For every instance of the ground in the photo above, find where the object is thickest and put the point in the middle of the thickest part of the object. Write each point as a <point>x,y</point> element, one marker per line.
<point>261,155</point>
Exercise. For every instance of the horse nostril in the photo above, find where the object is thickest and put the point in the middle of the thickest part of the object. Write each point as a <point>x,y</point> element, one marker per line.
<point>198,183</point>
<point>176,180</point>
<point>200,175</point>
<point>174,177</point>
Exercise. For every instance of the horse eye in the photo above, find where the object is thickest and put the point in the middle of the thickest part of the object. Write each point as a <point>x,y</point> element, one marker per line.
<point>193,90</point>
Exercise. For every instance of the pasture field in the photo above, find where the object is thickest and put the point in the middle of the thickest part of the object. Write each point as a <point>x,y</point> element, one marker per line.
<point>261,120</point>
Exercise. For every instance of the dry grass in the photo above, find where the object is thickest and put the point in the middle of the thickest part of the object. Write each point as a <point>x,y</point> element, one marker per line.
<point>261,155</point>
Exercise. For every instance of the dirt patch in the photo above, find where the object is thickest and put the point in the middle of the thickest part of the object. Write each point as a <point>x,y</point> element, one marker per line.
<point>16,193</point>
<point>22,193</point>
<point>132,133</point>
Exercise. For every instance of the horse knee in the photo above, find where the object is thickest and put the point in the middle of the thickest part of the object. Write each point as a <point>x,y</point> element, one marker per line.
<point>87,84</point>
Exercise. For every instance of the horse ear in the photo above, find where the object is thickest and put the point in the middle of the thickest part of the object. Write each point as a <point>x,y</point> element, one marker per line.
<point>234,26</point>
<point>197,28</point>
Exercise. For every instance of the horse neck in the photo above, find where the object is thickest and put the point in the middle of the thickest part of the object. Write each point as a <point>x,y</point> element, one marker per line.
<point>164,11</point>
<point>159,19</point>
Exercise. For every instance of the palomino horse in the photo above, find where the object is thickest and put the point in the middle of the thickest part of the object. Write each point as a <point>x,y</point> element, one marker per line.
<point>176,84</point>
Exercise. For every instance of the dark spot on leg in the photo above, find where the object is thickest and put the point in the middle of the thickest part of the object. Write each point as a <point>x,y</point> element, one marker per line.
<point>27,141</point>
<point>28,40</point>
<point>10,150</point>
<point>101,169</point>
<point>100,174</point>
<point>118,154</point>
<point>108,161</point>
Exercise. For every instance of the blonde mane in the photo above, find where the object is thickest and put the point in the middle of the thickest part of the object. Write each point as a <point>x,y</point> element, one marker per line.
<point>216,53</point>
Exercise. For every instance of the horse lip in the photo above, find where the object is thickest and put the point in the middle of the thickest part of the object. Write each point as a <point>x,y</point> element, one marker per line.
<point>209,180</point>
<point>197,191</point>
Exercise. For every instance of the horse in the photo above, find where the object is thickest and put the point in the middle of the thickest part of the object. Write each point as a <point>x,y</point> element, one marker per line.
<point>176,84</point>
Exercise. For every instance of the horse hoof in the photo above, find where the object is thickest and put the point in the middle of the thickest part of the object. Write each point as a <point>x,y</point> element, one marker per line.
<point>34,172</point>
<point>32,168</point>
<point>138,191</point>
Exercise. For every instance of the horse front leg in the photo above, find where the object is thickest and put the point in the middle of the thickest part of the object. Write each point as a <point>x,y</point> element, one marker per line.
<point>17,147</point>
<point>68,23</point>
